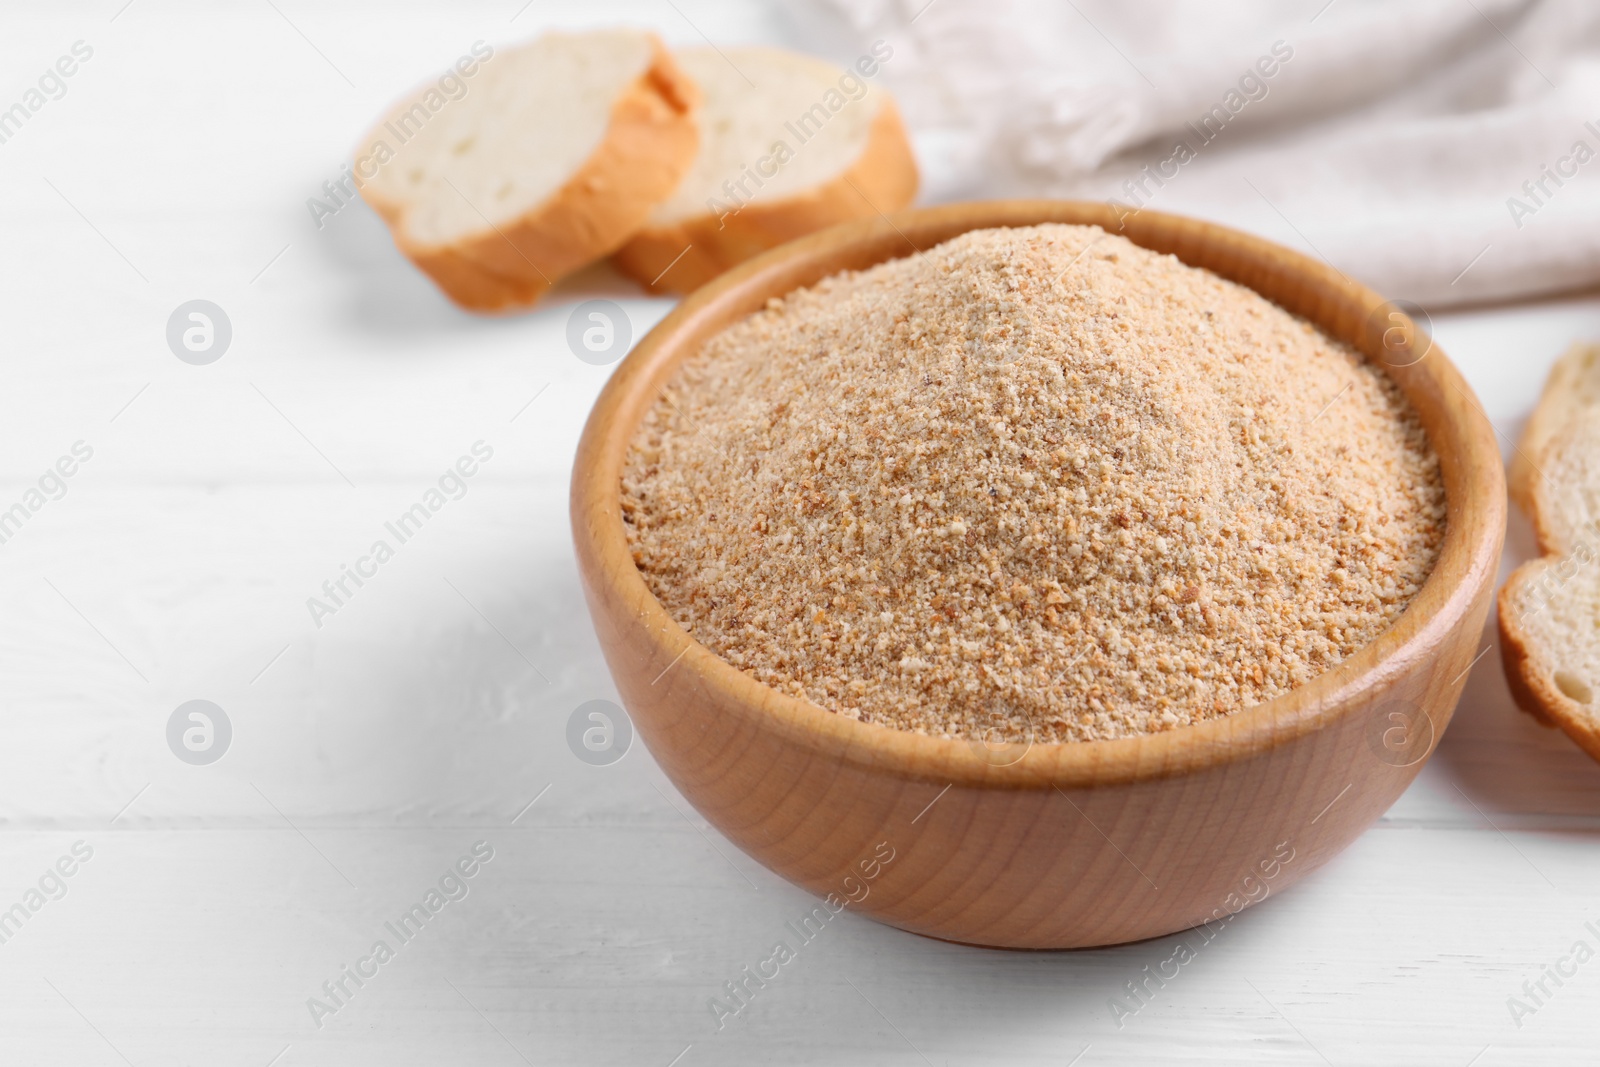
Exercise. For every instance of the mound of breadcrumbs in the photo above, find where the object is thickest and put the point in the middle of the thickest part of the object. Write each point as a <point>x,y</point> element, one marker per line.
<point>1032,483</point>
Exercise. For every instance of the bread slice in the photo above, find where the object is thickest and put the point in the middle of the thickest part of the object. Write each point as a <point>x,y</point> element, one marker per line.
<point>556,152</point>
<point>1573,387</point>
<point>1550,608</point>
<point>805,146</point>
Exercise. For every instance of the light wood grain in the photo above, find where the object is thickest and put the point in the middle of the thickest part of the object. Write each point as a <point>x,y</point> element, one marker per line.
<point>1062,845</point>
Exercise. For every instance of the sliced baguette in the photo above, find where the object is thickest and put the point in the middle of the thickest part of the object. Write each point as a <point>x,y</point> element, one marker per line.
<point>1549,610</point>
<point>844,155</point>
<point>1573,387</point>
<point>558,150</point>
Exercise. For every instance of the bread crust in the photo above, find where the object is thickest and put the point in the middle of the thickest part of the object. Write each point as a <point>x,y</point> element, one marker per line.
<point>1531,685</point>
<point>882,179</point>
<point>474,286</point>
<point>649,144</point>
<point>1531,679</point>
<point>1573,385</point>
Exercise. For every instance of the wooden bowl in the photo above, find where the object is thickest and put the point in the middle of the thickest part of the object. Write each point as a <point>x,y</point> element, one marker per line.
<point>1048,845</point>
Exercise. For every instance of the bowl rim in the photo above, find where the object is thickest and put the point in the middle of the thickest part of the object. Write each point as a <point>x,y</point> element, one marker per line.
<point>1469,460</point>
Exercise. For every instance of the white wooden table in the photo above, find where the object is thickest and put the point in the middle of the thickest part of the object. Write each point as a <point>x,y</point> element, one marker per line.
<point>429,712</point>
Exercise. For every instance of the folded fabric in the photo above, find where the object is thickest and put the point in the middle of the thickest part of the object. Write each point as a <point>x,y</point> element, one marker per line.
<point>1442,151</point>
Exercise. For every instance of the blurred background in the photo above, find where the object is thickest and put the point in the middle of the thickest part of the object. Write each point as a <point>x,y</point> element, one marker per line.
<point>1441,151</point>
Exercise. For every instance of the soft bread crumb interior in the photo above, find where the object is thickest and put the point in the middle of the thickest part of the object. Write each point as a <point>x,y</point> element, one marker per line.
<point>1561,621</point>
<point>524,126</point>
<point>820,113</point>
<point>1558,610</point>
<point>1567,483</point>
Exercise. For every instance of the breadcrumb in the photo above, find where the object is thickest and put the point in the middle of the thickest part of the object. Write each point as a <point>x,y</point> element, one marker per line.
<point>1033,483</point>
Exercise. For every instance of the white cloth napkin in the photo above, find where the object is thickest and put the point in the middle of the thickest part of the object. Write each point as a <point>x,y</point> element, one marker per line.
<point>1442,151</point>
